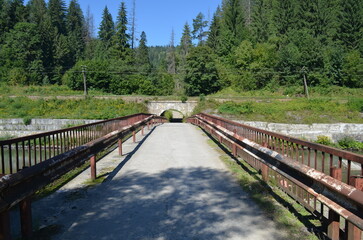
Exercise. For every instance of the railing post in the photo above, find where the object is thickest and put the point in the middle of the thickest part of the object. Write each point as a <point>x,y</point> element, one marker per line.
<point>120,147</point>
<point>93,167</point>
<point>5,225</point>
<point>264,172</point>
<point>234,150</point>
<point>355,233</point>
<point>334,218</point>
<point>142,130</point>
<point>26,218</point>
<point>133,136</point>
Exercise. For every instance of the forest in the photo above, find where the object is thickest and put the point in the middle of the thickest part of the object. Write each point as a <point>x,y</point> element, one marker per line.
<point>247,45</point>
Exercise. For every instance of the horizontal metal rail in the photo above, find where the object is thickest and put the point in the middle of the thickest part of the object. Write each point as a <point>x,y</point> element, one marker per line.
<point>317,156</point>
<point>17,188</point>
<point>24,152</point>
<point>337,204</point>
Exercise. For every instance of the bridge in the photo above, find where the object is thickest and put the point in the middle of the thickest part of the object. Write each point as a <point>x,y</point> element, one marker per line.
<point>180,109</point>
<point>164,181</point>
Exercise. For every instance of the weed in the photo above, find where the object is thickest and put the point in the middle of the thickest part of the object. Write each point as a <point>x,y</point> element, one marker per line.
<point>27,121</point>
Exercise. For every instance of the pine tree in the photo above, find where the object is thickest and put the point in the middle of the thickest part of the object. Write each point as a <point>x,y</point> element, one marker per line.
<point>37,11</point>
<point>199,25</point>
<point>143,53</point>
<point>186,41</point>
<point>262,18</point>
<point>233,20</point>
<point>214,35</point>
<point>121,38</point>
<point>57,13</point>
<point>284,16</point>
<point>11,12</point>
<point>75,28</point>
<point>351,27</point>
<point>107,28</point>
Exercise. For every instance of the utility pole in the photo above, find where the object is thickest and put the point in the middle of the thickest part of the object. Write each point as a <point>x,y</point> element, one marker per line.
<point>305,83</point>
<point>84,80</point>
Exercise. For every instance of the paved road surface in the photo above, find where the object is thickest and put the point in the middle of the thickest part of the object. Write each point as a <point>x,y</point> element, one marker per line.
<point>172,187</point>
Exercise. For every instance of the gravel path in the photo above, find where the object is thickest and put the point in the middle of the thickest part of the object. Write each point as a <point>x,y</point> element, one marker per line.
<point>173,186</point>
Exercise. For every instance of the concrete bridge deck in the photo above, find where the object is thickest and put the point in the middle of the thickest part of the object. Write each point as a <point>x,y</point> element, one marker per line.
<point>169,185</point>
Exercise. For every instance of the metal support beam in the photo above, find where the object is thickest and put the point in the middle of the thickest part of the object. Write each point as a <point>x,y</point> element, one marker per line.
<point>334,218</point>
<point>5,225</point>
<point>93,167</point>
<point>26,218</point>
<point>120,147</point>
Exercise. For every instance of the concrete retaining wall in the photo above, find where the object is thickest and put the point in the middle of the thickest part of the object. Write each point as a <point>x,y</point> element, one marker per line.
<point>16,127</point>
<point>335,131</point>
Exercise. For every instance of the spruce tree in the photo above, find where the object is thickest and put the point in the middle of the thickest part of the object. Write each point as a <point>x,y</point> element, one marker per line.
<point>121,38</point>
<point>37,11</point>
<point>284,16</point>
<point>143,53</point>
<point>107,28</point>
<point>262,18</point>
<point>57,13</point>
<point>214,36</point>
<point>199,25</point>
<point>351,27</point>
<point>75,28</point>
<point>233,20</point>
<point>186,41</point>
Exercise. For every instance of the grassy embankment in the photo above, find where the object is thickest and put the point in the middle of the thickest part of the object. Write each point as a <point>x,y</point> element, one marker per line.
<point>332,106</point>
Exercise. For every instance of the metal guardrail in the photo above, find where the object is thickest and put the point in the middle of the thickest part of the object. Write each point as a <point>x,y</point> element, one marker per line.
<point>23,152</point>
<point>301,169</point>
<point>68,148</point>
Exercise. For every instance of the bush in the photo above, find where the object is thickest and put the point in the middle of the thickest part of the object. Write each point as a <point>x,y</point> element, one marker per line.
<point>350,143</point>
<point>27,120</point>
<point>325,140</point>
<point>183,98</point>
<point>168,115</point>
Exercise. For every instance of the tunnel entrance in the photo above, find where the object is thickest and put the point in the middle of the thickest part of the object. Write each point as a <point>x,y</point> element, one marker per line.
<point>173,116</point>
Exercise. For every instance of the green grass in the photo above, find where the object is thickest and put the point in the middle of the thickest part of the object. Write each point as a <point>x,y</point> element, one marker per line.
<point>297,110</point>
<point>334,92</point>
<point>52,90</point>
<point>287,214</point>
<point>89,108</point>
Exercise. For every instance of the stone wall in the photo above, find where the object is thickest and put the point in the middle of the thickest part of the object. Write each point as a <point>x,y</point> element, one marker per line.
<point>158,107</point>
<point>335,131</point>
<point>16,127</point>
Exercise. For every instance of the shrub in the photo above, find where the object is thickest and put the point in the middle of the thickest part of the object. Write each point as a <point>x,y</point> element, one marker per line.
<point>169,115</point>
<point>350,143</point>
<point>183,98</point>
<point>325,140</point>
<point>27,120</point>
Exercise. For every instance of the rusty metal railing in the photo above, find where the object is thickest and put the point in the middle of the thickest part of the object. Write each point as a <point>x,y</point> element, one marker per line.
<point>19,153</point>
<point>301,169</point>
<point>67,149</point>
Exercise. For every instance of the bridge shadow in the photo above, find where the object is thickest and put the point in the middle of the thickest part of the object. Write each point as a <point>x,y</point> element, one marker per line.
<point>112,174</point>
<point>179,203</point>
<point>305,219</point>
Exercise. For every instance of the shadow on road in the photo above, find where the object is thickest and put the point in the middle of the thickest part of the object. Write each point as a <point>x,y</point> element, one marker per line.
<point>176,204</point>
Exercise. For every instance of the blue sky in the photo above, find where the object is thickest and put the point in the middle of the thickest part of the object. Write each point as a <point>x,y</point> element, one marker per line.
<point>156,17</point>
